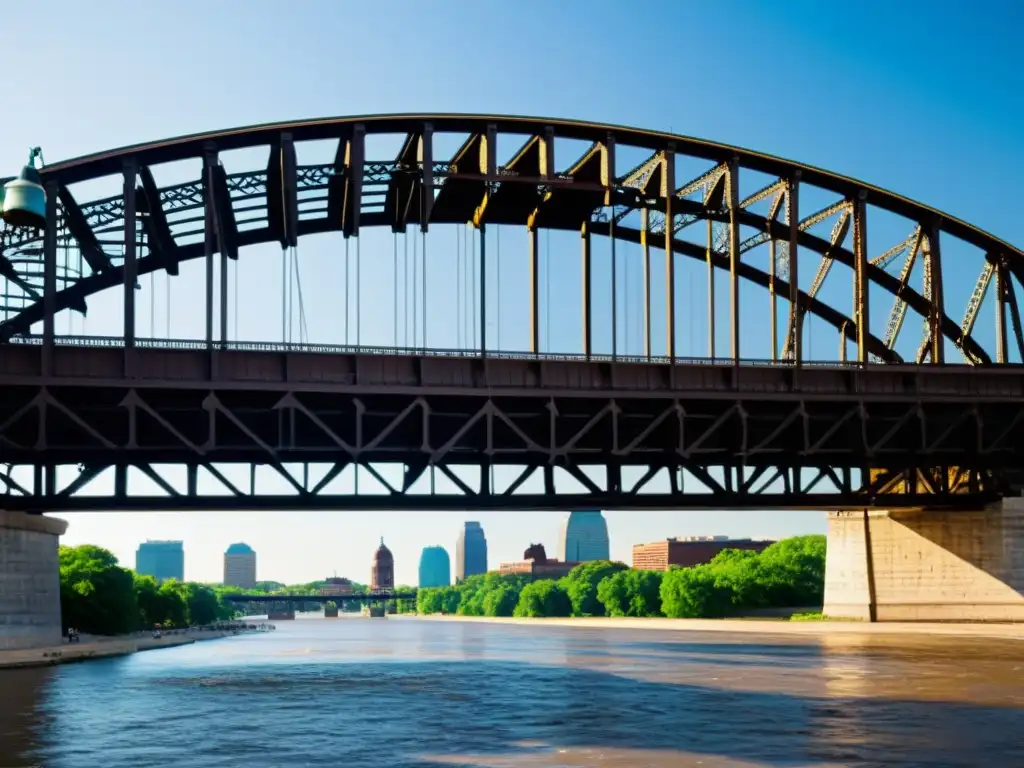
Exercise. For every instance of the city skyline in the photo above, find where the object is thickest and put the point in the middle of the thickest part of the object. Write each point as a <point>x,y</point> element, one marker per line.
<point>351,558</point>
<point>934,162</point>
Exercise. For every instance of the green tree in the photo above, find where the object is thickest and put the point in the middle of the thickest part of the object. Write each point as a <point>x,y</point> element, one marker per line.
<point>631,593</point>
<point>450,599</point>
<point>543,598</point>
<point>428,600</point>
<point>202,603</point>
<point>173,597</point>
<point>794,569</point>
<point>97,595</point>
<point>501,601</point>
<point>581,584</point>
<point>147,597</point>
<point>693,593</point>
<point>742,573</point>
<point>471,596</point>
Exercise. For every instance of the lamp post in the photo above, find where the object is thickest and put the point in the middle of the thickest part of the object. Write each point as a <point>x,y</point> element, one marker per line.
<point>23,199</point>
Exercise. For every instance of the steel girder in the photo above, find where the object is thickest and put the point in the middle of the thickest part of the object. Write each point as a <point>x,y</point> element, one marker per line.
<point>443,451</point>
<point>346,194</point>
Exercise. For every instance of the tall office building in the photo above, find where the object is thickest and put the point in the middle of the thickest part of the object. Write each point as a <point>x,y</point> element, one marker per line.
<point>435,567</point>
<point>240,566</point>
<point>470,551</point>
<point>382,572</point>
<point>162,560</point>
<point>584,537</point>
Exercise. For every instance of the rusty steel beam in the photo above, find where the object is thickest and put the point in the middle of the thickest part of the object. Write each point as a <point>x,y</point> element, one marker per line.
<point>130,267</point>
<point>1018,328</point>
<point>733,202</point>
<point>862,314</point>
<point>352,185</point>
<point>534,290</point>
<point>708,256</point>
<point>645,245</point>
<point>938,310</point>
<point>838,235</point>
<point>773,215</point>
<point>974,306</point>
<point>586,286</point>
<point>426,161</point>
<point>1002,277</point>
<point>668,183</point>
<point>793,219</point>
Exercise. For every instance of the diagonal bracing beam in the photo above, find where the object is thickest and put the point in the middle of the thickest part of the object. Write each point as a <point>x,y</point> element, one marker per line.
<point>838,236</point>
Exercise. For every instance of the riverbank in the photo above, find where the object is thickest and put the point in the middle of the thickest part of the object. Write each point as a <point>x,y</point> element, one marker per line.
<point>750,626</point>
<point>94,647</point>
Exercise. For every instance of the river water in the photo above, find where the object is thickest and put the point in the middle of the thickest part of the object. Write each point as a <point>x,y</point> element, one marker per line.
<point>372,692</point>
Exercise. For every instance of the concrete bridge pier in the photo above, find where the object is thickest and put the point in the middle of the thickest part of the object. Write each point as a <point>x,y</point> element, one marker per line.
<point>29,580</point>
<point>927,565</point>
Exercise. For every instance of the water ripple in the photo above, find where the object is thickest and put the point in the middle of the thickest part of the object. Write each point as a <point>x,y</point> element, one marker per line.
<point>406,693</point>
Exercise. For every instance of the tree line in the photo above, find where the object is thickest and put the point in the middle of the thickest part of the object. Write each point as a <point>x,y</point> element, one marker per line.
<point>789,573</point>
<point>100,597</point>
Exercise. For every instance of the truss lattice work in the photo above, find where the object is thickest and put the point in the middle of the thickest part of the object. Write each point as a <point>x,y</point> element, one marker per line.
<point>432,432</point>
<point>92,246</point>
<point>489,428</point>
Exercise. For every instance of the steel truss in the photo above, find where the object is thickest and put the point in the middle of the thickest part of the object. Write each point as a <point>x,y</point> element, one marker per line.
<point>905,439</point>
<point>149,228</point>
<point>209,448</point>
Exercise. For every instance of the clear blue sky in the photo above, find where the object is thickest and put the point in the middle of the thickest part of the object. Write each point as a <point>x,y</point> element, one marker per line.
<point>921,98</point>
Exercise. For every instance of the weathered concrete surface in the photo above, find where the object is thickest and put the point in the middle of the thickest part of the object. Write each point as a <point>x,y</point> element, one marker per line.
<point>29,580</point>
<point>927,565</point>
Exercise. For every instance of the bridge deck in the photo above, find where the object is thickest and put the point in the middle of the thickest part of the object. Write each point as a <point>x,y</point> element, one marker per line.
<point>256,366</point>
<point>733,429</point>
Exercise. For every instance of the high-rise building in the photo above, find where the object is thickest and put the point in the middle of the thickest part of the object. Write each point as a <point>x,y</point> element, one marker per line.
<point>685,552</point>
<point>470,551</point>
<point>240,566</point>
<point>382,572</point>
<point>435,567</point>
<point>584,537</point>
<point>162,560</point>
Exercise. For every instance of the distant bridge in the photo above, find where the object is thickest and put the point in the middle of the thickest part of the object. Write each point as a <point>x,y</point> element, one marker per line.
<point>368,597</point>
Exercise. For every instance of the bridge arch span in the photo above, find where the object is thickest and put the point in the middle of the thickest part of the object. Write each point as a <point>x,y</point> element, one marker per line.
<point>533,189</point>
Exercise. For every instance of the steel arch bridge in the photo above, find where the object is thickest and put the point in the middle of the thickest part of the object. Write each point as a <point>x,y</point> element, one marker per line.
<point>636,430</point>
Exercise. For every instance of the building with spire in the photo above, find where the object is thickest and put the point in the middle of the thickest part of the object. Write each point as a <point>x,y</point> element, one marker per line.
<point>382,572</point>
<point>584,537</point>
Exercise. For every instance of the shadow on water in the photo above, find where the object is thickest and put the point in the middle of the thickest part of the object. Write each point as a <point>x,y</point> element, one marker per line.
<point>22,716</point>
<point>418,713</point>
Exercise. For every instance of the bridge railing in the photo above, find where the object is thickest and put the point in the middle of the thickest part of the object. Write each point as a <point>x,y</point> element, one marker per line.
<point>114,342</point>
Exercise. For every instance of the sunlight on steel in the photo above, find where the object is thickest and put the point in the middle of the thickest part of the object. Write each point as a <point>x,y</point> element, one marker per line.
<point>765,418</point>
